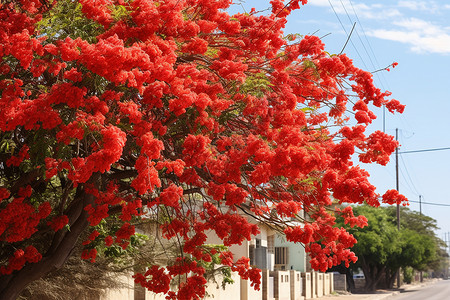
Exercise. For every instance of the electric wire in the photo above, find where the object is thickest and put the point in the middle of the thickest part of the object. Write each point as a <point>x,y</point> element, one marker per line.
<point>424,150</point>
<point>369,55</point>
<point>409,177</point>
<point>359,37</point>
<point>378,74</point>
<point>351,41</point>
<point>430,203</point>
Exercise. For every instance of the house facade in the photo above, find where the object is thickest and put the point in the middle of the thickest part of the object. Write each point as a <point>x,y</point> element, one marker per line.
<point>283,273</point>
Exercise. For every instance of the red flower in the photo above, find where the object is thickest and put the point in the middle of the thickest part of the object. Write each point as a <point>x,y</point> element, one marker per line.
<point>58,222</point>
<point>108,241</point>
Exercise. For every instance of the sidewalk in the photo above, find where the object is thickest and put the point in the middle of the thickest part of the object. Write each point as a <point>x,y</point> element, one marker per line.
<point>380,294</point>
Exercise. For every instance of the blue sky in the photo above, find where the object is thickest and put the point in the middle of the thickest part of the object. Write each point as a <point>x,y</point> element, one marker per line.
<point>416,34</point>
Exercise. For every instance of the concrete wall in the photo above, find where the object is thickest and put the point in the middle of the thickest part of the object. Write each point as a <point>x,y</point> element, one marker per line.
<point>340,282</point>
<point>276,285</point>
<point>306,285</point>
<point>217,292</point>
<point>319,284</point>
<point>267,285</point>
<point>271,289</point>
<point>359,283</point>
<point>282,285</point>
<point>313,285</point>
<point>326,284</point>
<point>214,291</point>
<point>248,292</point>
<point>296,285</point>
<point>331,282</point>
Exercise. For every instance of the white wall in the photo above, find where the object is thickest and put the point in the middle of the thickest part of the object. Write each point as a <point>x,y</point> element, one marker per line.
<point>248,292</point>
<point>306,285</point>
<point>296,256</point>
<point>231,291</point>
<point>126,293</point>
<point>319,282</point>
<point>282,285</point>
<point>237,250</point>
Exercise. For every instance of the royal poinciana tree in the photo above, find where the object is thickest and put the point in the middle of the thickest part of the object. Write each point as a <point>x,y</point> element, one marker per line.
<point>118,111</point>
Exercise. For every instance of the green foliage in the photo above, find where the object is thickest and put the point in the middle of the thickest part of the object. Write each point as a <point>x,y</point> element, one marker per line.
<point>119,12</point>
<point>382,247</point>
<point>408,274</point>
<point>68,14</point>
<point>256,85</point>
<point>115,252</point>
<point>379,240</point>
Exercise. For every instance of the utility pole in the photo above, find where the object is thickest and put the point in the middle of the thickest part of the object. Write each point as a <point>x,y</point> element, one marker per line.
<point>446,260</point>
<point>420,204</point>
<point>396,179</point>
<point>398,206</point>
<point>446,248</point>
<point>420,210</point>
<point>446,239</point>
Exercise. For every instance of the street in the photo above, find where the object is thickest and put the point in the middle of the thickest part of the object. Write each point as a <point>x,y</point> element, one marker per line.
<point>438,291</point>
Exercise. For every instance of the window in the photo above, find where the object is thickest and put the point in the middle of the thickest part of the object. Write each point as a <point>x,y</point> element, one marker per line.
<point>251,254</point>
<point>281,255</point>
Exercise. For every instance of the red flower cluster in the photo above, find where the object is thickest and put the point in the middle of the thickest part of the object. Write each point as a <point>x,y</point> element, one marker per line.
<point>89,254</point>
<point>394,197</point>
<point>244,270</point>
<point>20,258</point>
<point>17,160</point>
<point>19,220</point>
<point>58,222</point>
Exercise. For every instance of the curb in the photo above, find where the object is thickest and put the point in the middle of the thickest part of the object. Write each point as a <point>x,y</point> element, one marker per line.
<point>381,295</point>
<point>407,287</point>
<point>386,296</point>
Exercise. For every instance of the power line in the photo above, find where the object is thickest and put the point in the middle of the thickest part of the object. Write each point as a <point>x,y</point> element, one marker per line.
<point>371,50</point>
<point>373,65</point>
<point>424,150</point>
<point>430,203</point>
<point>359,37</point>
<point>410,184</point>
<point>351,42</point>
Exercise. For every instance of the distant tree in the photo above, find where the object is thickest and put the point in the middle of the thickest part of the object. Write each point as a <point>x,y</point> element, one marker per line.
<point>424,257</point>
<point>121,111</point>
<point>382,249</point>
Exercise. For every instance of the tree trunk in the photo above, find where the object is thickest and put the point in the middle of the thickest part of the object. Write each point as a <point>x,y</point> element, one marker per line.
<point>57,254</point>
<point>350,280</point>
<point>342,269</point>
<point>372,273</point>
<point>391,276</point>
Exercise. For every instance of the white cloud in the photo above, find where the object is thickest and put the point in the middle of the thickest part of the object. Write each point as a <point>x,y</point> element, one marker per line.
<point>423,6</point>
<point>422,36</point>
<point>388,21</point>
<point>372,11</point>
<point>419,5</point>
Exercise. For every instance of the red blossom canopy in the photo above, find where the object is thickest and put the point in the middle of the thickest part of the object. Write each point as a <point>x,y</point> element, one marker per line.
<point>127,109</point>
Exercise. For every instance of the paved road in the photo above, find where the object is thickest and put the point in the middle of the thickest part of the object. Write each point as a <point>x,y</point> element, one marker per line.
<point>438,291</point>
